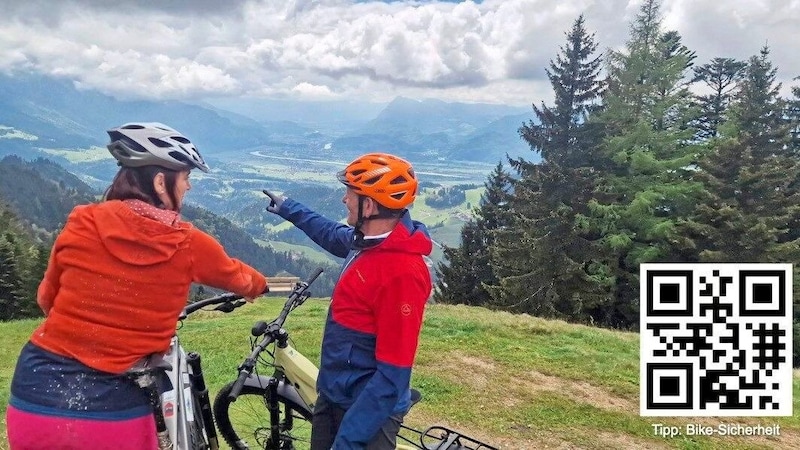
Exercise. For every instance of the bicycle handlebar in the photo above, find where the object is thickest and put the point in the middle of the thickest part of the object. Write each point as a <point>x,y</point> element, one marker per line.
<point>269,331</point>
<point>226,298</point>
<point>239,384</point>
<point>227,302</point>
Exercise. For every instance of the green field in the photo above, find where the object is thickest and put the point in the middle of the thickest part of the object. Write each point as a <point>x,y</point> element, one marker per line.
<point>515,381</point>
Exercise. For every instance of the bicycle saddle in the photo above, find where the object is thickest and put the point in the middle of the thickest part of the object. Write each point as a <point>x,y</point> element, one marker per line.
<point>151,362</point>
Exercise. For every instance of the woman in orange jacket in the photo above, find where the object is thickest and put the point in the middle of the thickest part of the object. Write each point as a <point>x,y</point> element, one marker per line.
<point>118,277</point>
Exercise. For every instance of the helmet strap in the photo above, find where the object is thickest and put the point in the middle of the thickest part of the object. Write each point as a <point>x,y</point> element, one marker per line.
<point>381,214</point>
<point>360,214</point>
<point>359,235</point>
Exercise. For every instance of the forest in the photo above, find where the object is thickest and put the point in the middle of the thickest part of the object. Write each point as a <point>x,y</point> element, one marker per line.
<point>647,155</point>
<point>447,196</point>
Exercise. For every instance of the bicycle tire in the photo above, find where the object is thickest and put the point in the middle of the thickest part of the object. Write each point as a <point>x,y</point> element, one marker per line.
<point>245,423</point>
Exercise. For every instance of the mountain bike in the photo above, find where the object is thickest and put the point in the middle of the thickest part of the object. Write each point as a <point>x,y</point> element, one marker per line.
<point>177,391</point>
<point>273,412</point>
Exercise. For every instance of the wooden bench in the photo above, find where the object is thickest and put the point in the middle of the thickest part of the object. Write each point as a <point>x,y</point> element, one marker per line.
<point>282,284</point>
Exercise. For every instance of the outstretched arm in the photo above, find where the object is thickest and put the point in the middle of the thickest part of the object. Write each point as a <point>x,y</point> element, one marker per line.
<point>334,237</point>
<point>212,266</point>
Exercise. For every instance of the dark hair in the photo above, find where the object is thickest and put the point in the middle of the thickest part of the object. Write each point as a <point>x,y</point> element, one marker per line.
<point>388,213</point>
<point>137,183</point>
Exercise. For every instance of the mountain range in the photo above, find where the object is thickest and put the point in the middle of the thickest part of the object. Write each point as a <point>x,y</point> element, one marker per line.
<point>38,112</point>
<point>253,144</point>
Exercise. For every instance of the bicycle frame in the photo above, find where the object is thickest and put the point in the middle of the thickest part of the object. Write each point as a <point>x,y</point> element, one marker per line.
<point>302,373</point>
<point>183,408</point>
<point>178,402</point>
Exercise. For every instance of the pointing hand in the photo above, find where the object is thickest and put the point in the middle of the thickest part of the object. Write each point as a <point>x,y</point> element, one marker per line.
<point>275,201</point>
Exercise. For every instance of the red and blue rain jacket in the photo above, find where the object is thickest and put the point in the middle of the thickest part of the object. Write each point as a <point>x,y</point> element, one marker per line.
<point>373,325</point>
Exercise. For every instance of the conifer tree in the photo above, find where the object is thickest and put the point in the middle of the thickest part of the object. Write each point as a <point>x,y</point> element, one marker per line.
<point>575,77</point>
<point>9,280</point>
<point>35,263</point>
<point>751,208</point>
<point>465,271</point>
<point>751,205</point>
<point>646,188</point>
<point>720,76</point>
<point>543,263</point>
<point>793,115</point>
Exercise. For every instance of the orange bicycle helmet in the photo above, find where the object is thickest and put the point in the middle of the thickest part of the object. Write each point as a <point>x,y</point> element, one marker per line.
<point>385,178</point>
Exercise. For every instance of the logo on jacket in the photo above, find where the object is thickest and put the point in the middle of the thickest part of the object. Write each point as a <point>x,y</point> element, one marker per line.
<point>405,309</point>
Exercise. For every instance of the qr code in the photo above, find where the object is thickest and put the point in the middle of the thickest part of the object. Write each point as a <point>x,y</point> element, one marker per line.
<point>716,339</point>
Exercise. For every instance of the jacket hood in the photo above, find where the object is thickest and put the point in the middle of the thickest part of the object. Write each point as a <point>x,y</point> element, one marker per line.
<point>134,239</point>
<point>409,236</point>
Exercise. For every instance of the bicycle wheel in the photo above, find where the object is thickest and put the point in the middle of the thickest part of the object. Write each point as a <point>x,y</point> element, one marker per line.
<point>245,423</point>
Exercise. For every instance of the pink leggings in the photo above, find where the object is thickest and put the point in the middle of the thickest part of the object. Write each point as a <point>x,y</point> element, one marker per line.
<point>27,431</point>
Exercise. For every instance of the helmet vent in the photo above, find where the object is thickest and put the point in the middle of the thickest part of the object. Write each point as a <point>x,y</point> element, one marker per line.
<point>384,178</point>
<point>159,143</point>
<point>180,156</point>
<point>154,144</point>
<point>372,180</point>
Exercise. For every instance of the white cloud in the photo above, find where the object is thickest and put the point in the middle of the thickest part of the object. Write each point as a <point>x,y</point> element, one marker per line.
<point>493,51</point>
<point>313,92</point>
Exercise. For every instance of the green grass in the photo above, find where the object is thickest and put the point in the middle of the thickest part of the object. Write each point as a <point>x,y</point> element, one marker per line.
<point>80,155</point>
<point>516,381</point>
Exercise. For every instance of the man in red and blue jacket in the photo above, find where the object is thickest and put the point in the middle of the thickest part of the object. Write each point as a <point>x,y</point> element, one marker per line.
<point>374,321</point>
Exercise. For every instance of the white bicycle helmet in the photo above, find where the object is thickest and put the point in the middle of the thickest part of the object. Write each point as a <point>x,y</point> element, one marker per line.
<point>153,144</point>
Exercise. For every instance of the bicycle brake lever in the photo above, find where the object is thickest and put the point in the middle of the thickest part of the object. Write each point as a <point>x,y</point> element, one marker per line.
<point>229,306</point>
<point>225,307</point>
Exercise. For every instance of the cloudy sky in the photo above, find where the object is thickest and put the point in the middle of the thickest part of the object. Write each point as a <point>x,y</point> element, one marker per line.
<point>491,51</point>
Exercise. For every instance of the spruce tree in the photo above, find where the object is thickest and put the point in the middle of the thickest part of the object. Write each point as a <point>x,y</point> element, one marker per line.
<point>720,77</point>
<point>751,206</point>
<point>793,115</point>
<point>545,266</point>
<point>9,280</point>
<point>560,135</point>
<point>465,271</point>
<point>647,155</point>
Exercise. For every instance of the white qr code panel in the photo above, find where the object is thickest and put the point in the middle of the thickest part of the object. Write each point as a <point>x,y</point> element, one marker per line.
<point>716,340</point>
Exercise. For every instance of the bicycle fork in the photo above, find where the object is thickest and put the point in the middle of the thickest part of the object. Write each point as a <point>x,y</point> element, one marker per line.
<point>199,385</point>
<point>274,412</point>
<point>277,426</point>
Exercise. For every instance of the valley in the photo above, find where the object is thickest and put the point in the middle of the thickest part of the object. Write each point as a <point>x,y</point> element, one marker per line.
<point>233,190</point>
<point>291,148</point>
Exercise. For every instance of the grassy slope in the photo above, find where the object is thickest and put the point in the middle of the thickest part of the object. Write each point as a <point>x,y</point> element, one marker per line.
<point>516,381</point>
